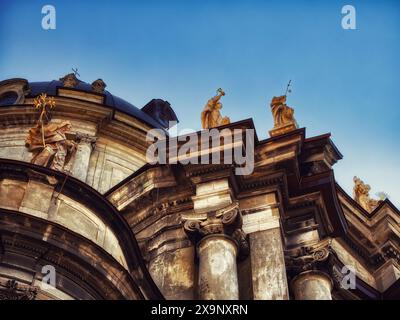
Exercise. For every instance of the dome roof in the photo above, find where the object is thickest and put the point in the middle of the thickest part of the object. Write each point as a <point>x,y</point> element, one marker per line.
<point>50,87</point>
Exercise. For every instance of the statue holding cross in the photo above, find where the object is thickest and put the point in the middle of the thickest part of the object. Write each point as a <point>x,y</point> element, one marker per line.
<point>70,80</point>
<point>283,115</point>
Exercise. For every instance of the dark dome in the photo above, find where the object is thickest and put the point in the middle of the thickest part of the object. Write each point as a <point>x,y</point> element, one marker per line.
<point>50,87</point>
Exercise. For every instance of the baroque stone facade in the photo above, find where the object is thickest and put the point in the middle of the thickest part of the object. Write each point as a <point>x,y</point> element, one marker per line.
<point>116,227</point>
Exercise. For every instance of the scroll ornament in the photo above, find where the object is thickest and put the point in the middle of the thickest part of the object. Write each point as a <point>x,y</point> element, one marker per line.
<point>225,222</point>
<point>309,257</point>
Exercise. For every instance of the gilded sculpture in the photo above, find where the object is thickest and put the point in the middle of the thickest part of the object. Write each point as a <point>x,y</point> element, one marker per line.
<point>361,195</point>
<point>211,115</point>
<point>283,115</point>
<point>48,141</point>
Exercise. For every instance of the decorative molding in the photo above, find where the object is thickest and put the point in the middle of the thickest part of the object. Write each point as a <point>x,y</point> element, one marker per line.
<point>308,257</point>
<point>12,290</point>
<point>260,220</point>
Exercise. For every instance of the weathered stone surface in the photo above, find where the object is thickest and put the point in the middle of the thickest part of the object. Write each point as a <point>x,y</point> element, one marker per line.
<point>39,199</point>
<point>268,270</point>
<point>82,157</point>
<point>387,274</point>
<point>212,195</point>
<point>347,258</point>
<point>174,273</point>
<point>217,269</point>
<point>12,193</point>
<point>268,265</point>
<point>312,285</point>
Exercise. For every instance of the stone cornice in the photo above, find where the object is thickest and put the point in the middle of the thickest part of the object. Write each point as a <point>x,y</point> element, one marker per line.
<point>375,236</point>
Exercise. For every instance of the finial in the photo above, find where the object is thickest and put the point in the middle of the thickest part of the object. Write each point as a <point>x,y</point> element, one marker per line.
<point>76,72</point>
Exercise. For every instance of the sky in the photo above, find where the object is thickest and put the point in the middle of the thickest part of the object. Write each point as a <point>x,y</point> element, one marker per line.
<point>343,81</point>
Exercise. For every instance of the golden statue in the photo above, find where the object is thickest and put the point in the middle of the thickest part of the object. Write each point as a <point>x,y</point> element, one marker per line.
<point>361,195</point>
<point>48,141</point>
<point>211,116</point>
<point>283,115</point>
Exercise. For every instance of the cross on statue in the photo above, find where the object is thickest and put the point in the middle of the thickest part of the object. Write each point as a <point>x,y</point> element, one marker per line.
<point>288,90</point>
<point>76,72</point>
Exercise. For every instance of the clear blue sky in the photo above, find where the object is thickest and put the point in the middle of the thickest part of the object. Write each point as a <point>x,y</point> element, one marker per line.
<point>344,81</point>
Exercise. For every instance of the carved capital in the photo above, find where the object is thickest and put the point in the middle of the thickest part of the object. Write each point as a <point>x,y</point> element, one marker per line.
<point>11,290</point>
<point>86,139</point>
<point>308,258</point>
<point>226,221</point>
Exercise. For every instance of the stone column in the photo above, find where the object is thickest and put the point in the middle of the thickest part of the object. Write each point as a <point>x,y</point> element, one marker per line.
<point>82,157</point>
<point>306,263</point>
<point>220,240</point>
<point>312,285</point>
<point>217,268</point>
<point>268,271</point>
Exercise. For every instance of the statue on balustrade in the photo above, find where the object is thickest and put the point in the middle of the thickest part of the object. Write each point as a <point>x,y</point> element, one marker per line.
<point>283,115</point>
<point>211,115</point>
<point>361,195</point>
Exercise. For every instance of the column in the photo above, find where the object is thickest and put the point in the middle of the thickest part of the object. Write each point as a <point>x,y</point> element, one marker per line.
<point>220,240</point>
<point>312,285</point>
<point>217,268</point>
<point>261,221</point>
<point>307,265</point>
<point>82,157</point>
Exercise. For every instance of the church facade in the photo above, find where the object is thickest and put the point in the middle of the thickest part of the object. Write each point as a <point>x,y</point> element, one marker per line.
<point>85,215</point>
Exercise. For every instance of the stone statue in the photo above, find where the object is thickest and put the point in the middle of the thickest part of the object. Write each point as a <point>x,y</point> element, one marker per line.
<point>211,116</point>
<point>70,80</point>
<point>99,86</point>
<point>48,141</point>
<point>283,114</point>
<point>361,195</point>
<point>50,145</point>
